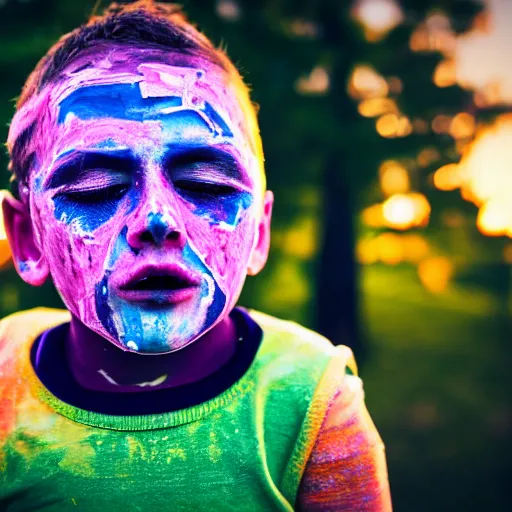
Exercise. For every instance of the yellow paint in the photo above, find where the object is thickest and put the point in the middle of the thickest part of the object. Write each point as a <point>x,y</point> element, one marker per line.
<point>176,453</point>
<point>136,449</point>
<point>78,459</point>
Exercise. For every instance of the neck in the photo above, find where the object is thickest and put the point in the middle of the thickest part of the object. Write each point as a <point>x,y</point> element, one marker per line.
<point>99,365</point>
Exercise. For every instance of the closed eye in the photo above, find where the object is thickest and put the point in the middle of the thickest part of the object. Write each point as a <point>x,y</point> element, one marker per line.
<point>203,188</point>
<point>96,195</point>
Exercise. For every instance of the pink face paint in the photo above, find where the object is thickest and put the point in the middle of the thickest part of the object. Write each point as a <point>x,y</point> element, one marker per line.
<point>146,198</point>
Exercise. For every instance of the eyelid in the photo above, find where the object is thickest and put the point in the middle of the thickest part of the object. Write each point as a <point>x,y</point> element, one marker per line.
<point>224,182</point>
<point>95,180</point>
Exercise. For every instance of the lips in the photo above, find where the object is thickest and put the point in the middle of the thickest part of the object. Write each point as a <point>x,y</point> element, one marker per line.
<point>160,284</point>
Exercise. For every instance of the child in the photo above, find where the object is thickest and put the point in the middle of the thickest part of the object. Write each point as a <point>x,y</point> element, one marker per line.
<point>141,193</point>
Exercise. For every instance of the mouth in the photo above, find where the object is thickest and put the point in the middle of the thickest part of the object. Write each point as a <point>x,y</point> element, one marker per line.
<point>158,284</point>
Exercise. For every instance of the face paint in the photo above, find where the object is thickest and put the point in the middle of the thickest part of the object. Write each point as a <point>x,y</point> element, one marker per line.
<point>147,202</point>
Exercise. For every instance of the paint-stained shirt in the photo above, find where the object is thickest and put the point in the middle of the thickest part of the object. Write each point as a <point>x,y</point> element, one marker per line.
<point>292,413</point>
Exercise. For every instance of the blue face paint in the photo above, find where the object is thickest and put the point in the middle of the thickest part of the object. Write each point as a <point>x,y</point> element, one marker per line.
<point>221,209</point>
<point>157,227</point>
<point>212,114</point>
<point>88,217</point>
<point>219,298</point>
<point>121,101</point>
<point>124,101</point>
<point>164,150</point>
<point>22,265</point>
<point>147,329</point>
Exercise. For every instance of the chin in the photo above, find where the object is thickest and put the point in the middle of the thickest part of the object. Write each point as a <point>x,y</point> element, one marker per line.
<point>157,333</point>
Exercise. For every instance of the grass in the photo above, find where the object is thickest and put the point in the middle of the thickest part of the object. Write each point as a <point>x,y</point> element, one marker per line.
<point>438,387</point>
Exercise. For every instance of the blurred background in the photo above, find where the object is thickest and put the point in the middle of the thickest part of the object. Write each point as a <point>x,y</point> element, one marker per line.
<point>388,143</point>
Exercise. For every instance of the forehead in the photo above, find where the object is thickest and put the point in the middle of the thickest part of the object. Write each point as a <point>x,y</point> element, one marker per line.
<point>145,89</point>
<point>142,85</point>
<point>173,96</point>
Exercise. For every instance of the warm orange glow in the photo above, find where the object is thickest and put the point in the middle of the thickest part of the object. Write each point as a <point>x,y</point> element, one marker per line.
<point>404,211</point>
<point>394,178</point>
<point>435,273</point>
<point>3,235</point>
<point>428,156</point>
<point>374,107</point>
<point>5,252</point>
<point>366,83</point>
<point>433,35</point>
<point>393,125</point>
<point>366,252</point>
<point>372,216</point>
<point>507,254</point>
<point>392,248</point>
<point>495,218</point>
<point>415,247</point>
<point>487,165</point>
<point>377,17</point>
<point>462,126</point>
<point>448,177</point>
<point>441,124</point>
<point>445,74</point>
<point>419,41</point>
<point>316,83</point>
<point>482,55</point>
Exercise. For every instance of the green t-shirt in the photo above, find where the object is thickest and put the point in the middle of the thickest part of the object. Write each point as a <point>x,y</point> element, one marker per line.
<point>243,450</point>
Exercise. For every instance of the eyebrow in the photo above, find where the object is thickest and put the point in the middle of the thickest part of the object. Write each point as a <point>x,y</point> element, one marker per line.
<point>182,157</point>
<point>80,163</point>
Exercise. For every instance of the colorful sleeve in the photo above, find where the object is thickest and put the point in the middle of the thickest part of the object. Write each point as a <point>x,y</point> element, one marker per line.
<point>346,469</point>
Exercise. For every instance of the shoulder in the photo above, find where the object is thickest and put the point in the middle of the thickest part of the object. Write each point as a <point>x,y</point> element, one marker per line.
<point>284,336</point>
<point>294,349</point>
<point>17,334</point>
<point>18,331</point>
<point>30,323</point>
<point>304,371</point>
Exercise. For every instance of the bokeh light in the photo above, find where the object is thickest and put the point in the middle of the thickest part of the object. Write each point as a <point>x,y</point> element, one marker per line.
<point>404,211</point>
<point>5,252</point>
<point>394,178</point>
<point>435,273</point>
<point>377,17</point>
<point>316,83</point>
<point>392,125</point>
<point>365,83</point>
<point>373,107</point>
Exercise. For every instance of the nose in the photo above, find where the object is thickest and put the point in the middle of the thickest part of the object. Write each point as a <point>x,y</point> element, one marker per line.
<point>157,228</point>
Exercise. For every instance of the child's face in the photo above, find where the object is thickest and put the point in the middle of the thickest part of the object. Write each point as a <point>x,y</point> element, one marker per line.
<point>147,200</point>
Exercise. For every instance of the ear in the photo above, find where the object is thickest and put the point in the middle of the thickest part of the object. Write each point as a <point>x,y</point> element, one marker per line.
<point>27,255</point>
<point>259,253</point>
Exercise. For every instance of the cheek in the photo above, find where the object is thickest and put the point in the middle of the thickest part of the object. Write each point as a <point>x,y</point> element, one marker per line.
<point>76,259</point>
<point>84,217</point>
<point>227,211</point>
<point>224,249</point>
